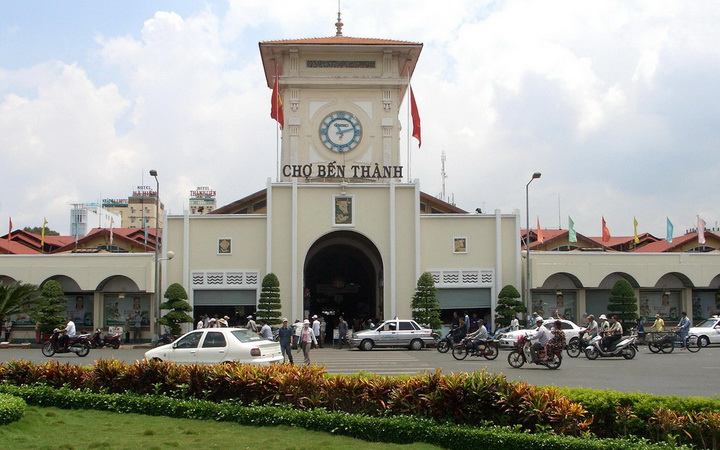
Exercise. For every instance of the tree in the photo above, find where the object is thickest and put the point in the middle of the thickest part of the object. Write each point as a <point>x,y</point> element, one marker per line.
<point>51,303</point>
<point>16,298</point>
<point>38,230</point>
<point>425,305</point>
<point>508,305</point>
<point>178,308</point>
<point>623,302</point>
<point>269,304</point>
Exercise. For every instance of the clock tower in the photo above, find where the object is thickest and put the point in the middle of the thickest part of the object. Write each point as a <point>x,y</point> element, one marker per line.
<point>340,98</point>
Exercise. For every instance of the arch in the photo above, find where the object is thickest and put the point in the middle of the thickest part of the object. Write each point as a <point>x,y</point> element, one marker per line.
<point>674,280</point>
<point>68,284</point>
<point>343,275</point>
<point>6,280</point>
<point>715,282</point>
<point>118,283</point>
<point>562,280</point>
<point>609,281</point>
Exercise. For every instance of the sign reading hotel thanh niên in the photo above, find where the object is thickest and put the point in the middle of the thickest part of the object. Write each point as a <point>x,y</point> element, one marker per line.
<point>202,192</point>
<point>332,170</point>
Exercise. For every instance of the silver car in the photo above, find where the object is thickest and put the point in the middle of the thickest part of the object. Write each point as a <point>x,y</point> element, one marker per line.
<point>394,333</point>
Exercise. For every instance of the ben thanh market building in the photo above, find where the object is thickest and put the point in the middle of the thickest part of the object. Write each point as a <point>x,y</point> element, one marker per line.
<point>346,231</point>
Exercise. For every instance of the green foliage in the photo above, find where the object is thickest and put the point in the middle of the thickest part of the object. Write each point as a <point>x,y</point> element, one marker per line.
<point>38,231</point>
<point>51,303</point>
<point>623,302</point>
<point>12,408</point>
<point>178,308</point>
<point>16,298</point>
<point>425,305</point>
<point>400,429</point>
<point>508,305</point>
<point>269,304</point>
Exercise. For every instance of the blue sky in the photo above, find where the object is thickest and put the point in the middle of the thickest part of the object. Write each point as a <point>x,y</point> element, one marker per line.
<point>615,102</point>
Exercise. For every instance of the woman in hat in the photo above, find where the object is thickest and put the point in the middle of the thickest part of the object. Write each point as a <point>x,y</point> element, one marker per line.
<point>307,340</point>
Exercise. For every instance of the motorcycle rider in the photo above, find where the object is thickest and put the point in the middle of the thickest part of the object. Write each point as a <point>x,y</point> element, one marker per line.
<point>592,329</point>
<point>542,335</point>
<point>478,336</point>
<point>613,334</point>
<point>683,327</point>
<point>69,332</point>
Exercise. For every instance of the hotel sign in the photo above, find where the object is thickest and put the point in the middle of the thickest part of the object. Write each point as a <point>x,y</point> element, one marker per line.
<point>333,170</point>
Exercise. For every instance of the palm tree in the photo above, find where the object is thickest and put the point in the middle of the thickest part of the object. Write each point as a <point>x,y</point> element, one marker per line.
<point>16,298</point>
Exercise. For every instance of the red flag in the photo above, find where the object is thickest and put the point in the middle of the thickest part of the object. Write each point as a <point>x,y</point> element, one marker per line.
<point>540,237</point>
<point>276,109</point>
<point>9,233</point>
<point>415,118</point>
<point>605,231</point>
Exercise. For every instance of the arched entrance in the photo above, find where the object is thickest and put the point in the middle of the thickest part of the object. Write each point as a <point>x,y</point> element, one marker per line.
<point>343,275</point>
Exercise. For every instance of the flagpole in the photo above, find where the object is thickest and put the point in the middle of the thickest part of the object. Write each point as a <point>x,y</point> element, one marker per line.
<point>407,96</point>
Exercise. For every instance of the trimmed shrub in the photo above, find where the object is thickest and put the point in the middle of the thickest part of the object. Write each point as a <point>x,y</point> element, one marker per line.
<point>12,408</point>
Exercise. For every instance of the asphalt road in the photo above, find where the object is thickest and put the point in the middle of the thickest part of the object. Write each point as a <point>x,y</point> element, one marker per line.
<point>679,373</point>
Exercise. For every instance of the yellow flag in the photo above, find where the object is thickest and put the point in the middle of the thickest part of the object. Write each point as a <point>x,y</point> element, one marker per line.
<point>42,234</point>
<point>635,224</point>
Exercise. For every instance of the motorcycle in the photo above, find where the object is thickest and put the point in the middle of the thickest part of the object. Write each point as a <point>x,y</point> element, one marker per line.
<point>489,349</point>
<point>446,343</point>
<point>78,345</point>
<point>166,338</point>
<point>625,348</point>
<point>521,354</point>
<point>97,340</point>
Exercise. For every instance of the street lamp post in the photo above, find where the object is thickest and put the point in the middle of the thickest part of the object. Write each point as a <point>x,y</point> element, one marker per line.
<point>158,296</point>
<point>528,302</point>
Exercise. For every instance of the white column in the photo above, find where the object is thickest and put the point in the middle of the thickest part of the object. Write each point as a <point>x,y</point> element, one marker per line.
<point>296,298</point>
<point>186,257</point>
<point>392,289</point>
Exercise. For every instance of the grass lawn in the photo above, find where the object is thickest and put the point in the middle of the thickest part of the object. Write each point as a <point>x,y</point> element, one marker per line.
<point>53,428</point>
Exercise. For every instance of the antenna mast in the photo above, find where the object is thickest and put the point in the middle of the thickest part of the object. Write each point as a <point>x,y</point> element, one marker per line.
<point>443,175</point>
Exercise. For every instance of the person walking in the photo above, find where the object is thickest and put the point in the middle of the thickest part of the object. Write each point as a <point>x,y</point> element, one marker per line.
<point>316,330</point>
<point>659,324</point>
<point>137,326</point>
<point>251,325</point>
<point>307,339</point>
<point>285,335</point>
<point>342,331</point>
<point>8,328</point>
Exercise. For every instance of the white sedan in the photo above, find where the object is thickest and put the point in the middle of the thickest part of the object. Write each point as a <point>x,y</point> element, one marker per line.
<point>571,331</point>
<point>218,345</point>
<point>707,331</point>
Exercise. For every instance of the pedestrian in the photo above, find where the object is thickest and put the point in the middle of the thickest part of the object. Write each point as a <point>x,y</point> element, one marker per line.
<point>285,336</point>
<point>307,339</point>
<point>342,331</point>
<point>200,323</point>
<point>466,317</point>
<point>251,325</point>
<point>323,332</point>
<point>8,328</point>
<point>514,324</point>
<point>316,330</point>
<point>297,328</point>
<point>265,330</point>
<point>137,326</point>
<point>659,324</point>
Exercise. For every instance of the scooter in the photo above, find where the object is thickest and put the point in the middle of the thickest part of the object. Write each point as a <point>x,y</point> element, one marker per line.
<point>97,340</point>
<point>625,347</point>
<point>78,345</point>
<point>166,338</point>
<point>489,349</point>
<point>521,355</point>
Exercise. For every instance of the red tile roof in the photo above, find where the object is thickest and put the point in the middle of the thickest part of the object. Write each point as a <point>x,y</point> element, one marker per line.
<point>338,40</point>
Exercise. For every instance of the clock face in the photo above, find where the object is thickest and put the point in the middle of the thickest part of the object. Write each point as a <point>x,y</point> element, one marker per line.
<point>340,131</point>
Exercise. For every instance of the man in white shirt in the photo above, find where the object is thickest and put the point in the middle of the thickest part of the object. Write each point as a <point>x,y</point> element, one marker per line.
<point>514,324</point>
<point>542,335</point>
<point>251,325</point>
<point>316,330</point>
<point>70,332</point>
<point>265,330</point>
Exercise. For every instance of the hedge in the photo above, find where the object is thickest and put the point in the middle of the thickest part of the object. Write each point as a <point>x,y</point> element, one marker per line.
<point>399,429</point>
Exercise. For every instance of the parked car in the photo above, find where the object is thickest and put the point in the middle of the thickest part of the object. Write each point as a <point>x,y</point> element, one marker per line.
<point>394,333</point>
<point>508,339</point>
<point>219,345</point>
<point>707,331</point>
